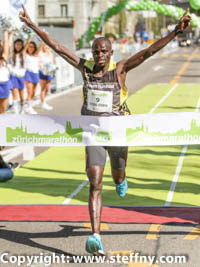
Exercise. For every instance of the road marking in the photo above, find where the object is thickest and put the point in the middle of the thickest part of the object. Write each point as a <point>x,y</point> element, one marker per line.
<point>147,264</point>
<point>78,189</point>
<point>164,55</point>
<point>178,168</point>
<point>131,254</point>
<point>104,226</point>
<point>175,55</point>
<point>198,106</point>
<point>176,176</point>
<point>154,231</point>
<point>182,69</point>
<point>156,68</point>
<point>180,162</point>
<point>121,252</point>
<point>193,234</point>
<point>163,99</point>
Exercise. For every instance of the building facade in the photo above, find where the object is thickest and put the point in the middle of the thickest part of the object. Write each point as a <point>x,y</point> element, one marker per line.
<point>55,13</point>
<point>78,14</point>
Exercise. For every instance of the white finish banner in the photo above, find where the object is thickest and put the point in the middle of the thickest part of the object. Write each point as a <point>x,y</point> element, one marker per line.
<point>134,130</point>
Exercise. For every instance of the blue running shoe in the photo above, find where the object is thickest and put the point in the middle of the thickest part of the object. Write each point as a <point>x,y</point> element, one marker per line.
<point>122,188</point>
<point>94,246</point>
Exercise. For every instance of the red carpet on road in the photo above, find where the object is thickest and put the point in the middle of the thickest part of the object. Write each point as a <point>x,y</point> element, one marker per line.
<point>79,213</point>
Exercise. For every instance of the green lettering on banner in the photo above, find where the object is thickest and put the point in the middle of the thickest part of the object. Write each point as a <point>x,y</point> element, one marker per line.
<point>142,133</point>
<point>103,136</point>
<point>21,134</point>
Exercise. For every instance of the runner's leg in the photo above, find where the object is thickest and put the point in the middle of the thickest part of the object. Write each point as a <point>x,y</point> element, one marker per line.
<point>95,176</point>
<point>95,162</point>
<point>118,159</point>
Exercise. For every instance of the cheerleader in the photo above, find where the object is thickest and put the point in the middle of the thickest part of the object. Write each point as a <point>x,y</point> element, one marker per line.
<point>17,73</point>
<point>46,63</point>
<point>32,73</point>
<point>5,85</point>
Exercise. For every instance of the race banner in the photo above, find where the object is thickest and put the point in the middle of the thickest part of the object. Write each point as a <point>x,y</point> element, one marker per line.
<point>134,130</point>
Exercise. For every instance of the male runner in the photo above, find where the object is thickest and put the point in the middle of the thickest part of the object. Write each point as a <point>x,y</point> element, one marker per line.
<point>102,75</point>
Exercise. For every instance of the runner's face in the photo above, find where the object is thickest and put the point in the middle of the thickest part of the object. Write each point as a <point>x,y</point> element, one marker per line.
<point>102,53</point>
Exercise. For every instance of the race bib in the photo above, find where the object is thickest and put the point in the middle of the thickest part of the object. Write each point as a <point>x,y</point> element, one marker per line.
<point>100,101</point>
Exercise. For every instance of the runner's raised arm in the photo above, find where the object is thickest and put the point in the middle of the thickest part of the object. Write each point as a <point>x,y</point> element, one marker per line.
<point>64,52</point>
<point>141,56</point>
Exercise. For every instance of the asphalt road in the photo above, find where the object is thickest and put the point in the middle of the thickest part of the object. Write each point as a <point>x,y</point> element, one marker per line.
<point>46,238</point>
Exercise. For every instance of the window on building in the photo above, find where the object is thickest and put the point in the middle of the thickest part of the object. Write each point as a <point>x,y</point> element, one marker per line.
<point>64,10</point>
<point>41,10</point>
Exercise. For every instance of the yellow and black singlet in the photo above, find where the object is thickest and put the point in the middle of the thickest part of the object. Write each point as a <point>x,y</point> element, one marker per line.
<point>103,96</point>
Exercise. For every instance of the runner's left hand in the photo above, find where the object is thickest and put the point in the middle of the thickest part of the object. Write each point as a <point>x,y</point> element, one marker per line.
<point>184,22</point>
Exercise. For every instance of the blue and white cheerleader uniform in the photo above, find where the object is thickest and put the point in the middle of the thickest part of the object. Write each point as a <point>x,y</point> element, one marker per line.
<point>5,84</point>
<point>32,69</point>
<point>17,75</point>
<point>46,67</point>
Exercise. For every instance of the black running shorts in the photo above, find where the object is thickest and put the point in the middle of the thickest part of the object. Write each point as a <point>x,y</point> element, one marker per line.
<point>96,156</point>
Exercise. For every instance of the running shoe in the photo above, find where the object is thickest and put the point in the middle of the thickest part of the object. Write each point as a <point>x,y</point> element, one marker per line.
<point>15,108</point>
<point>25,107</point>
<point>31,111</point>
<point>122,188</point>
<point>13,166</point>
<point>46,106</point>
<point>94,246</point>
<point>22,111</point>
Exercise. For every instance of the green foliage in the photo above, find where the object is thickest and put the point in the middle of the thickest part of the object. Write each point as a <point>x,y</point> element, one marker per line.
<point>129,5</point>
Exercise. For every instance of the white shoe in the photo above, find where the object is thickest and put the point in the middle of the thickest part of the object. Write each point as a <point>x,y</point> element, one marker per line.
<point>22,110</point>
<point>46,106</point>
<point>16,109</point>
<point>25,108</point>
<point>31,111</point>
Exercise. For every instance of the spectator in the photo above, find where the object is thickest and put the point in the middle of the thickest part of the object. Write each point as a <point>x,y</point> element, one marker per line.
<point>17,74</point>
<point>46,63</point>
<point>6,169</point>
<point>32,73</point>
<point>5,84</point>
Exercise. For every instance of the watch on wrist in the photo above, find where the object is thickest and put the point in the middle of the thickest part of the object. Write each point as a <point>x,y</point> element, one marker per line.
<point>177,29</point>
